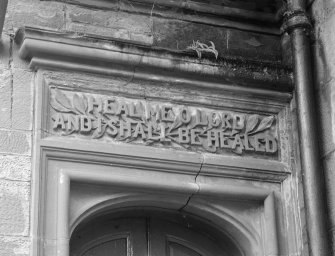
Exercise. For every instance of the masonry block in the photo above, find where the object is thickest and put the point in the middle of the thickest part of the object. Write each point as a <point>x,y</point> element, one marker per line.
<point>5,44</point>
<point>329,170</point>
<point>47,15</point>
<point>287,54</point>
<point>324,51</point>
<point>5,98</point>
<point>178,35</point>
<point>332,239</point>
<point>326,114</point>
<point>13,167</point>
<point>11,245</point>
<point>254,45</point>
<point>14,210</point>
<point>22,100</point>
<point>17,61</point>
<point>321,10</point>
<point>110,24</point>
<point>15,142</point>
<point>321,70</point>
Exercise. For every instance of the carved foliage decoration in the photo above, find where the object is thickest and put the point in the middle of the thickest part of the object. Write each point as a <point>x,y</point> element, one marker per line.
<point>152,123</point>
<point>200,48</point>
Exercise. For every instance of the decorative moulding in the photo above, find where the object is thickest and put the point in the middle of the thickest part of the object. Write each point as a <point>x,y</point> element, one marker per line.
<point>86,109</point>
<point>68,51</point>
<point>155,123</point>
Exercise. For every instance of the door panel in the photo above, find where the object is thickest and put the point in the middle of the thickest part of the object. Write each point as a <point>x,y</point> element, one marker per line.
<point>111,248</point>
<point>119,237</point>
<point>168,238</point>
<point>134,236</point>
<point>175,249</point>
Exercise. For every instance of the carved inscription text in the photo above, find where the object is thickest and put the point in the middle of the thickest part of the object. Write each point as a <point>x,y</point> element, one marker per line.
<point>147,122</point>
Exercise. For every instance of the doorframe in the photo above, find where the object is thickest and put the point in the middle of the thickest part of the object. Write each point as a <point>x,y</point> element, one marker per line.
<point>67,172</point>
<point>193,167</point>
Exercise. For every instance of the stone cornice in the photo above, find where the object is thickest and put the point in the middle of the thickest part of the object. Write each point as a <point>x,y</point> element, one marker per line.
<point>69,51</point>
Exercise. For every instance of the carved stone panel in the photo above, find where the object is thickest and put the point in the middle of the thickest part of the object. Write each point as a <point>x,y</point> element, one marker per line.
<point>144,121</point>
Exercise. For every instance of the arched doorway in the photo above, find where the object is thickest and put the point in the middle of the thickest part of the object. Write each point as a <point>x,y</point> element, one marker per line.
<point>142,233</point>
<point>239,217</point>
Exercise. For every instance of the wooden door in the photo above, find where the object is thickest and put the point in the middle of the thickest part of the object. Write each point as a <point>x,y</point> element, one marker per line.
<point>170,239</point>
<point>117,237</point>
<point>142,237</point>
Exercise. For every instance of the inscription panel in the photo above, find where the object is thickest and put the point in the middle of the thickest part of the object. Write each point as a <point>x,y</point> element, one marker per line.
<point>101,117</point>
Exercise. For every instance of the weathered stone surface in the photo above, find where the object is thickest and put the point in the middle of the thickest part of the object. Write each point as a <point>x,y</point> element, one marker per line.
<point>5,98</point>
<point>162,125</point>
<point>47,15</point>
<point>321,71</point>
<point>178,35</point>
<point>323,13</point>
<point>14,210</point>
<point>326,108</point>
<point>255,46</point>
<point>18,62</point>
<point>22,100</point>
<point>15,142</point>
<point>110,24</point>
<point>15,167</point>
<point>14,245</point>
<point>5,44</point>
<point>324,52</point>
<point>321,10</point>
<point>324,70</point>
<point>287,55</point>
<point>329,168</point>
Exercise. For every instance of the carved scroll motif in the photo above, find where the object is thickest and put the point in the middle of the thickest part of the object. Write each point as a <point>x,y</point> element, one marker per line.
<point>165,124</point>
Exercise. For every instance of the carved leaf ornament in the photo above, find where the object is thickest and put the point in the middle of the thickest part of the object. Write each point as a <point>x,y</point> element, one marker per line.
<point>165,125</point>
<point>200,48</point>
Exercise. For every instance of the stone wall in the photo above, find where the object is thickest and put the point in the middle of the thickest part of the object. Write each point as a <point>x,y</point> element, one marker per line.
<point>323,16</point>
<point>17,91</point>
<point>16,112</point>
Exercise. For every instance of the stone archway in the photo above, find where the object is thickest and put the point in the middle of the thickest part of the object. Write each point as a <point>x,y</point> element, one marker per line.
<point>80,186</point>
<point>242,238</point>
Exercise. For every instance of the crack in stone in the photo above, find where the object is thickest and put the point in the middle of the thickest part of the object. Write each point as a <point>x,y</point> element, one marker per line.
<point>195,181</point>
<point>134,71</point>
<point>10,65</point>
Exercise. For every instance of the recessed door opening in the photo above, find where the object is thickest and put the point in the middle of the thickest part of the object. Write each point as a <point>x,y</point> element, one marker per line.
<point>144,233</point>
